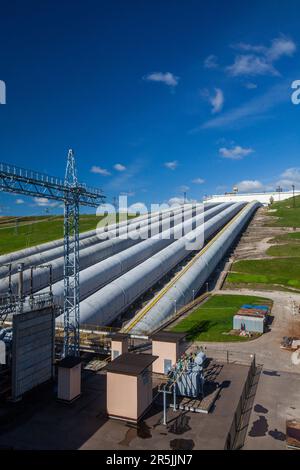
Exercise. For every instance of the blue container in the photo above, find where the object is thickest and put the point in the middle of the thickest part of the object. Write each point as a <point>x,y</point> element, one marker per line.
<point>258,307</point>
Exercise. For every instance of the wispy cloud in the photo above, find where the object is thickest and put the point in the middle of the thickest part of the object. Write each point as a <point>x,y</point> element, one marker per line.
<point>167,78</point>
<point>211,62</point>
<point>99,171</point>
<point>119,167</point>
<point>127,179</point>
<point>20,201</point>
<point>198,181</point>
<point>259,59</point>
<point>184,188</point>
<point>256,108</point>
<point>180,200</point>
<point>217,101</point>
<point>289,177</point>
<point>235,153</point>
<point>171,165</point>
<point>250,186</point>
<point>250,86</point>
<point>44,202</point>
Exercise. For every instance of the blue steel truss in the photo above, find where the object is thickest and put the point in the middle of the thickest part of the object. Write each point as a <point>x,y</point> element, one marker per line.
<point>18,180</point>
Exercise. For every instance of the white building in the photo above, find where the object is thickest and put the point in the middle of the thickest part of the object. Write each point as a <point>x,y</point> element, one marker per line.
<point>265,197</point>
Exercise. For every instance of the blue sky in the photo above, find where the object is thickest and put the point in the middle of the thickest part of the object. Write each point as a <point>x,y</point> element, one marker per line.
<point>155,97</point>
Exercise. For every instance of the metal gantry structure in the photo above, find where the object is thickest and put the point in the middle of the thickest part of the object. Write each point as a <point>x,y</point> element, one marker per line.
<point>73,194</point>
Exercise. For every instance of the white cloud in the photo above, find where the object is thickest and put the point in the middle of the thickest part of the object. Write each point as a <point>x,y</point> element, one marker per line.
<point>260,59</point>
<point>211,62</point>
<point>180,200</point>
<point>281,46</point>
<point>119,167</point>
<point>100,171</point>
<point>198,181</point>
<point>251,110</point>
<point>184,188</point>
<point>217,101</point>
<point>289,177</point>
<point>249,186</point>
<point>44,202</point>
<point>251,86</point>
<point>20,201</point>
<point>251,65</point>
<point>171,165</point>
<point>167,78</point>
<point>235,153</point>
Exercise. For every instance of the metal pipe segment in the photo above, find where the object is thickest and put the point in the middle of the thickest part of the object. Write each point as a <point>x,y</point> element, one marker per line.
<point>23,255</point>
<point>39,255</point>
<point>103,307</point>
<point>96,276</point>
<point>194,278</point>
<point>94,254</point>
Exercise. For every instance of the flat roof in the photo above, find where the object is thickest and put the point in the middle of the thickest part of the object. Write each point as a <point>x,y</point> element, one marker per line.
<point>69,361</point>
<point>130,363</point>
<point>168,336</point>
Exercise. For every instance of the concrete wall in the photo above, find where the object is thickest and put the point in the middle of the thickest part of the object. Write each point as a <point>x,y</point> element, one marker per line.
<point>33,350</point>
<point>264,198</point>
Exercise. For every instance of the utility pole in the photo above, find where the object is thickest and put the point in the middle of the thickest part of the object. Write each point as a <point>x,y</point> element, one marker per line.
<point>294,200</point>
<point>279,190</point>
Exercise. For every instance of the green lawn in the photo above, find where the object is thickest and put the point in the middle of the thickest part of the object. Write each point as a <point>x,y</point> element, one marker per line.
<point>289,216</point>
<point>214,318</point>
<point>282,271</point>
<point>291,250</point>
<point>36,230</point>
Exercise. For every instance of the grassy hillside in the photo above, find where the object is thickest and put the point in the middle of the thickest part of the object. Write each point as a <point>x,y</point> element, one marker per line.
<point>287,214</point>
<point>213,320</point>
<point>283,270</point>
<point>31,231</point>
<point>278,271</point>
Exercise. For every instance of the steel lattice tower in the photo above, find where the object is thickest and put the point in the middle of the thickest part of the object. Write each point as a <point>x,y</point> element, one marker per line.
<point>73,194</point>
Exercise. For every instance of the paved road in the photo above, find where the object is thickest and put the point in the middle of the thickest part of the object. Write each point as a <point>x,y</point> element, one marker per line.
<point>277,395</point>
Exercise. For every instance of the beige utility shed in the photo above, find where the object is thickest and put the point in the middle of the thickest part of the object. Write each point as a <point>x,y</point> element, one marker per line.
<point>69,379</point>
<point>119,345</point>
<point>168,346</point>
<point>129,386</point>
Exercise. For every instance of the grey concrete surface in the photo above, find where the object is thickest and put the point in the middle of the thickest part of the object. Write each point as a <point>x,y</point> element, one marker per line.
<point>42,423</point>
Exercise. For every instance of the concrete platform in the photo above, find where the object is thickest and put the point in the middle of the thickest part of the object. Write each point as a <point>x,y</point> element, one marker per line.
<point>39,422</point>
<point>277,400</point>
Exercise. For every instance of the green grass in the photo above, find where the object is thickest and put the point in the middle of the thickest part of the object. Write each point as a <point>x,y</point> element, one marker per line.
<point>287,250</point>
<point>215,317</point>
<point>35,230</point>
<point>282,271</point>
<point>289,216</point>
